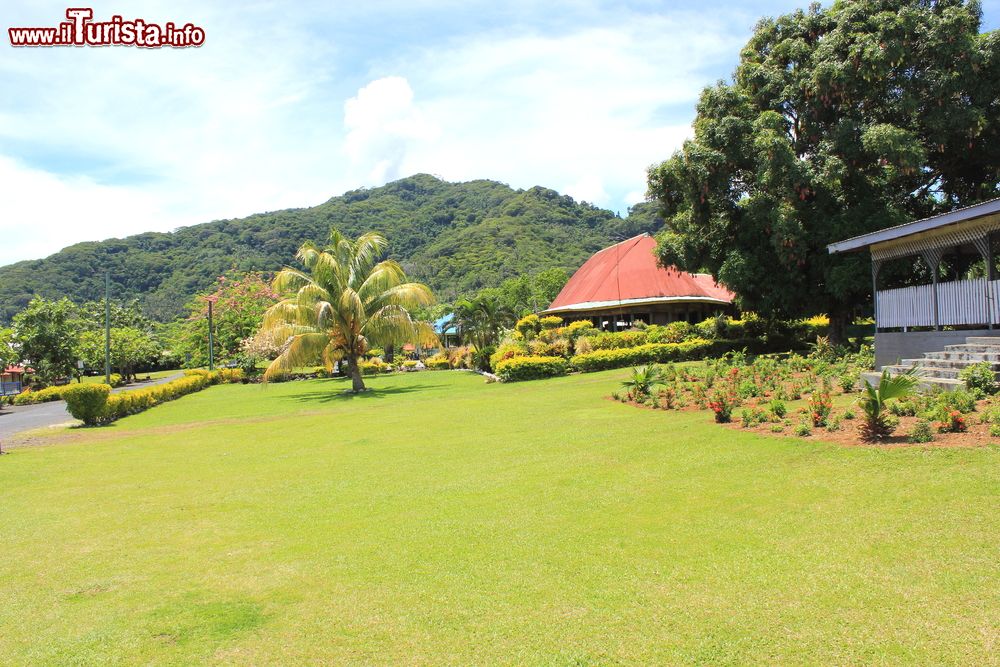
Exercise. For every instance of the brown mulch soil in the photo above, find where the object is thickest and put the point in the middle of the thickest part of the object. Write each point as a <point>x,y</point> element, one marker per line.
<point>977,435</point>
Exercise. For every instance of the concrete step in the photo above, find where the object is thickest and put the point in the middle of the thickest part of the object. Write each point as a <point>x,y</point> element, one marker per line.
<point>964,356</point>
<point>975,348</point>
<point>925,372</point>
<point>925,383</point>
<point>984,340</point>
<point>957,364</point>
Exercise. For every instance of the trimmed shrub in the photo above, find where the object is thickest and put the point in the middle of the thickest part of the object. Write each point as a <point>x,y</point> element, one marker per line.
<point>617,340</point>
<point>235,375</point>
<point>87,402</point>
<point>516,369</point>
<point>116,380</point>
<point>675,332</point>
<point>550,322</point>
<point>528,326</point>
<point>580,328</point>
<point>374,367</point>
<point>600,360</point>
<point>508,350</point>
<point>438,363</point>
<point>29,397</point>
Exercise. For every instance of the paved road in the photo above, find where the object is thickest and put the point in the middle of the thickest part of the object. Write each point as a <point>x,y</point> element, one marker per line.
<point>16,419</point>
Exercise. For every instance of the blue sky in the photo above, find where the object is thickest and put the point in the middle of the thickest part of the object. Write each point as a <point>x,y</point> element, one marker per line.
<point>288,104</point>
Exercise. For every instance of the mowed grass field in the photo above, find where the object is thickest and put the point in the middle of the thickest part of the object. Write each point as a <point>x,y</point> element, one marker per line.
<point>438,520</point>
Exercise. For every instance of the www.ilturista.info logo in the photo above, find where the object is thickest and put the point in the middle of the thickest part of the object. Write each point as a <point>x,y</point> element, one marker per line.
<point>81,30</point>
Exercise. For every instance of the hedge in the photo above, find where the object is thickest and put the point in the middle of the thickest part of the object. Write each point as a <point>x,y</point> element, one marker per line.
<point>530,368</point>
<point>29,397</point>
<point>598,360</point>
<point>102,407</point>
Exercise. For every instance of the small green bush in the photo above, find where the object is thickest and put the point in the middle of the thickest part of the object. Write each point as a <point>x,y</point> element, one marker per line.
<point>980,379</point>
<point>516,369</point>
<point>778,408</point>
<point>922,432</point>
<point>995,430</point>
<point>116,380</point>
<point>803,430</point>
<point>87,402</point>
<point>550,322</point>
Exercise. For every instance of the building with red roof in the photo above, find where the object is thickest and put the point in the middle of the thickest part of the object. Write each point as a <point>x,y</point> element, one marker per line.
<point>11,380</point>
<point>623,284</point>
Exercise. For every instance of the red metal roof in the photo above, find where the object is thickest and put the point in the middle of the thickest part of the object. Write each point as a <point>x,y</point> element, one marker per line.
<point>628,271</point>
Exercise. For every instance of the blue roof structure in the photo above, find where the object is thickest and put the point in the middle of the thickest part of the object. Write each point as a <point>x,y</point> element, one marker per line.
<point>441,323</point>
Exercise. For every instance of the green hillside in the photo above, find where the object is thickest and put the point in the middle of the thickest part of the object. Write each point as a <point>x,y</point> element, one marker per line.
<point>457,237</point>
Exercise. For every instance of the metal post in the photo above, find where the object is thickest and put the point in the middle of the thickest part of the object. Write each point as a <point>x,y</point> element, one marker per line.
<point>876,265</point>
<point>933,258</point>
<point>984,245</point>
<point>211,341</point>
<point>107,327</point>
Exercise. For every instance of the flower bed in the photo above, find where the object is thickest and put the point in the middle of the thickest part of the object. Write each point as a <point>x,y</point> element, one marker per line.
<point>802,397</point>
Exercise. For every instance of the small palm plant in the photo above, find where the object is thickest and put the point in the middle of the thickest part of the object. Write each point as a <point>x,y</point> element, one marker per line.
<point>876,425</point>
<point>640,385</point>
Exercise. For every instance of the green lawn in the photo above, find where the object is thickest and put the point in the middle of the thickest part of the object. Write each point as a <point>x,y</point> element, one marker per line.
<point>441,520</point>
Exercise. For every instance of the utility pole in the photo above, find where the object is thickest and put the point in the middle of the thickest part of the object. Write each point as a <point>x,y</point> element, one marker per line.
<point>107,327</point>
<point>211,340</point>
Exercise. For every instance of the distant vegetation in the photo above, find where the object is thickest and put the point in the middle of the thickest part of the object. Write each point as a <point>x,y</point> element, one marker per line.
<point>455,237</point>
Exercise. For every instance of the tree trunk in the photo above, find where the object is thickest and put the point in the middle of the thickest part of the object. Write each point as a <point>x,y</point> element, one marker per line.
<point>838,327</point>
<point>389,353</point>
<point>357,384</point>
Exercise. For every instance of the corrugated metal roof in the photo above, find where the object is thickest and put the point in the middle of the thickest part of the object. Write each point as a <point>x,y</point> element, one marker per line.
<point>917,226</point>
<point>628,272</point>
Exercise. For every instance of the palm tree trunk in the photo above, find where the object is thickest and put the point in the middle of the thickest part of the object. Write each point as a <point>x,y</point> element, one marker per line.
<point>357,384</point>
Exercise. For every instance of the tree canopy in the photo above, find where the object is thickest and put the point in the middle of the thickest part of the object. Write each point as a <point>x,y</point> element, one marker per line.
<point>45,333</point>
<point>839,121</point>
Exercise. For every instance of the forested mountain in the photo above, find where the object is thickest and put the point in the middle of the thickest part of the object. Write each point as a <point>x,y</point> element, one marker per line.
<point>456,237</point>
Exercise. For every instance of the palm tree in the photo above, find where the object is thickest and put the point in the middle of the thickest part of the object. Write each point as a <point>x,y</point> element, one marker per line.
<point>643,380</point>
<point>481,319</point>
<point>343,304</point>
<point>873,401</point>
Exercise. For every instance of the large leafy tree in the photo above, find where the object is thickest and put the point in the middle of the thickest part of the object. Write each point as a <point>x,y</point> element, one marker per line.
<point>346,302</point>
<point>9,353</point>
<point>839,121</point>
<point>131,349</point>
<point>123,314</point>
<point>45,332</point>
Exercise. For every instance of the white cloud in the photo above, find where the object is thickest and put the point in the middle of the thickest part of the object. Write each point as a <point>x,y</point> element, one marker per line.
<point>383,124</point>
<point>283,109</point>
<point>41,209</point>
<point>584,112</point>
